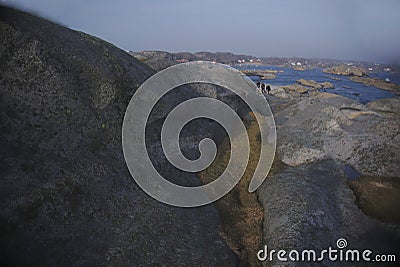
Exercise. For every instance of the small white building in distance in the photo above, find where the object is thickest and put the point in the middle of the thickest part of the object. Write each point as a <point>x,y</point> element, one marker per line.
<point>298,64</point>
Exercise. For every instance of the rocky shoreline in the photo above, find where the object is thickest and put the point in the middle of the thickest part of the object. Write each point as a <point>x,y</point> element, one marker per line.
<point>302,87</point>
<point>309,199</point>
<point>67,197</point>
<point>315,85</point>
<point>378,83</point>
<point>309,202</point>
<point>346,70</point>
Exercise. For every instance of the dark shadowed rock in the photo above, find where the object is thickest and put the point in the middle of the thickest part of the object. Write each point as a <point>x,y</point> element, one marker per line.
<point>66,195</point>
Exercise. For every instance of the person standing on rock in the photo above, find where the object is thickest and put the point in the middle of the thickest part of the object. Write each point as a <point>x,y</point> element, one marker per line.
<point>268,89</point>
<point>263,88</point>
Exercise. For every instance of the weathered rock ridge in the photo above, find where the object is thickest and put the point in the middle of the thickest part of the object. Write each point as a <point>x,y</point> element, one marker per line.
<point>307,201</point>
<point>67,197</point>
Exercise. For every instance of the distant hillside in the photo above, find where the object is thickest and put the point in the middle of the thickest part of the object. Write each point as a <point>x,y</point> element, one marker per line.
<point>161,59</point>
<point>66,196</point>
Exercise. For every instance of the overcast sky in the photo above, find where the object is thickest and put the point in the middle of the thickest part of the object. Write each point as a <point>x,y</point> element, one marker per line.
<point>341,29</point>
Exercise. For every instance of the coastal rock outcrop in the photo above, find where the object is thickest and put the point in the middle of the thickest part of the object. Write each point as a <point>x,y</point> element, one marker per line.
<point>279,92</point>
<point>390,107</point>
<point>296,88</point>
<point>378,83</point>
<point>346,70</point>
<point>317,127</point>
<point>311,207</point>
<point>315,85</point>
<point>307,199</point>
<point>67,197</point>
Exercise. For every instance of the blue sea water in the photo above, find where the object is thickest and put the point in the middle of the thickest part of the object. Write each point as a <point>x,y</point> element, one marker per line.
<point>344,87</point>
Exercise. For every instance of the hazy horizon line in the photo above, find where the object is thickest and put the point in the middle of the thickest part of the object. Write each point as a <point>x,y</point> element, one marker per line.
<point>30,11</point>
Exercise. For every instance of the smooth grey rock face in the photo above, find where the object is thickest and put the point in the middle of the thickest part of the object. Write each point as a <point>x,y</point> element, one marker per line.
<point>315,128</point>
<point>308,204</point>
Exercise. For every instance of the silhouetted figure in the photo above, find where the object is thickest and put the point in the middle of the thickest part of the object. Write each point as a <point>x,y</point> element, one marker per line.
<point>258,84</point>
<point>263,88</point>
<point>268,89</point>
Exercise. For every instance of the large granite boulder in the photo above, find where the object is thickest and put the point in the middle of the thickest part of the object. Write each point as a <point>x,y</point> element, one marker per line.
<point>316,128</point>
<point>67,197</point>
<point>322,141</point>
